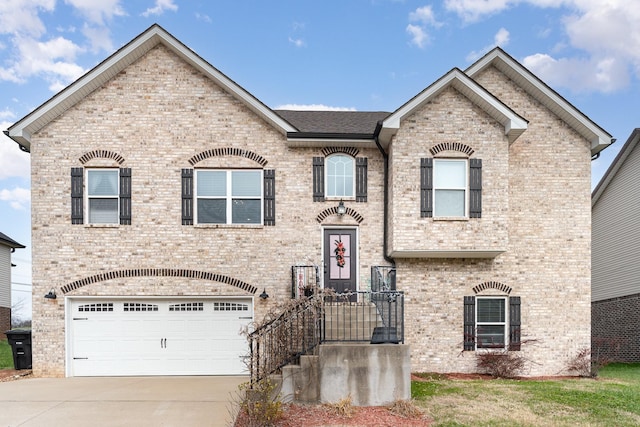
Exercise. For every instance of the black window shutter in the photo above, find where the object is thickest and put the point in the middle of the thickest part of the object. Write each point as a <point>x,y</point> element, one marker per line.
<point>426,187</point>
<point>187,196</point>
<point>475,188</point>
<point>125,196</point>
<point>514,324</point>
<point>269,178</point>
<point>361,179</point>
<point>77,195</point>
<point>469,323</point>
<point>318,179</point>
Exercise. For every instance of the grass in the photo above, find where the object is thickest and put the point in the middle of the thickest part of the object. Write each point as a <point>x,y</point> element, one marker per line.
<point>567,402</point>
<point>6,355</point>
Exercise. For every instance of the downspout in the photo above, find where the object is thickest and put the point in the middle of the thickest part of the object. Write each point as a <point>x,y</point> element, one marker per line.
<point>385,210</point>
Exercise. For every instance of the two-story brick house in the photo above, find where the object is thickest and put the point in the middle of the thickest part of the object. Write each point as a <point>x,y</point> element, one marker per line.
<point>166,199</point>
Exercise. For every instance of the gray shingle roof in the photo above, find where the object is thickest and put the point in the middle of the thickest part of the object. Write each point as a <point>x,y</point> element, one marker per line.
<point>8,241</point>
<point>335,122</point>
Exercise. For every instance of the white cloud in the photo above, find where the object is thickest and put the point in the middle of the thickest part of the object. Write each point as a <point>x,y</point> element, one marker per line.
<point>21,16</point>
<point>13,161</point>
<point>425,16</point>
<point>203,18</point>
<point>297,42</point>
<point>99,38</point>
<point>419,36</point>
<point>53,60</point>
<point>472,10</point>
<point>98,11</point>
<point>18,198</point>
<point>578,74</point>
<point>419,20</point>
<point>501,38</point>
<point>602,45</point>
<point>312,107</point>
<point>160,7</point>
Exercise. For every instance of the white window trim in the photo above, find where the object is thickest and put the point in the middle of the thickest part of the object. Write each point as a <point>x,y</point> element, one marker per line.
<point>466,189</point>
<point>326,178</point>
<point>506,322</point>
<point>87,217</point>
<point>229,198</point>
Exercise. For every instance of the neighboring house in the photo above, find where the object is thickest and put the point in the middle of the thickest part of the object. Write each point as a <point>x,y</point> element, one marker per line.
<point>7,247</point>
<point>615,258</point>
<point>166,198</point>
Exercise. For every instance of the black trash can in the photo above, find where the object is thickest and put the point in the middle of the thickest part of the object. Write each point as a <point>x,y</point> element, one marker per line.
<point>20,342</point>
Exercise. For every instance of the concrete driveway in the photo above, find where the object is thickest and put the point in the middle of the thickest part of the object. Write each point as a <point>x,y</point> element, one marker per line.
<point>121,401</point>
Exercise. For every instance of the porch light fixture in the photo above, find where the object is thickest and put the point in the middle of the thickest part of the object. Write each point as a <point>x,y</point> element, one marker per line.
<point>342,209</point>
<point>51,294</point>
<point>264,294</point>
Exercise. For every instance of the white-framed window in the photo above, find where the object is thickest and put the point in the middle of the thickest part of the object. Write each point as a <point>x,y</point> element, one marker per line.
<point>340,176</point>
<point>103,196</point>
<point>450,188</point>
<point>229,196</point>
<point>491,322</point>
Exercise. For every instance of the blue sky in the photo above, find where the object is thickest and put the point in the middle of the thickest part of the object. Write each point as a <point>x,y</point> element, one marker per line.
<point>368,55</point>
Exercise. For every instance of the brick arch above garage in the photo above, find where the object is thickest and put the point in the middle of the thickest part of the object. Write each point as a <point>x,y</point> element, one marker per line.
<point>158,272</point>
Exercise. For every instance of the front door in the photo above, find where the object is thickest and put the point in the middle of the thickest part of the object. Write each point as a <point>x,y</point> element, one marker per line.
<point>340,260</point>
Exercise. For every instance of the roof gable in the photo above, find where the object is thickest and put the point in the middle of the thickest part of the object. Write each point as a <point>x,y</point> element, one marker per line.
<point>8,241</point>
<point>615,166</point>
<point>514,125</point>
<point>535,87</point>
<point>22,130</point>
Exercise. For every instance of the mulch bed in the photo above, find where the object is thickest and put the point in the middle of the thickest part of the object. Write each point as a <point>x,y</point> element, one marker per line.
<point>13,374</point>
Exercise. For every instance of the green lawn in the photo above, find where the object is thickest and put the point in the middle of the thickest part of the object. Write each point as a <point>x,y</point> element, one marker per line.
<point>614,395</point>
<point>6,356</point>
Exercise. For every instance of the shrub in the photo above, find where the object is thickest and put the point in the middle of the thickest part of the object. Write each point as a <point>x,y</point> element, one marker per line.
<point>260,405</point>
<point>405,408</point>
<point>343,407</point>
<point>500,363</point>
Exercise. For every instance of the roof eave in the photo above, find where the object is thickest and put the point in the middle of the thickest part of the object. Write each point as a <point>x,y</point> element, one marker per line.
<point>22,130</point>
<point>615,165</point>
<point>514,124</point>
<point>322,139</point>
<point>598,137</point>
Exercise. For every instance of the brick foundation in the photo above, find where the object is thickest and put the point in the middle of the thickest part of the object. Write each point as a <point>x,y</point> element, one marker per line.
<point>615,324</point>
<point>5,321</point>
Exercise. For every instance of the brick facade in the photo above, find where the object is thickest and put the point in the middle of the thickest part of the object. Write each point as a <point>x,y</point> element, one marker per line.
<point>616,329</point>
<point>159,115</point>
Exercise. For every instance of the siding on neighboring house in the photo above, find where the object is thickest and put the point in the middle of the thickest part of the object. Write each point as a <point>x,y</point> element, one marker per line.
<point>5,276</point>
<point>615,308</point>
<point>616,234</point>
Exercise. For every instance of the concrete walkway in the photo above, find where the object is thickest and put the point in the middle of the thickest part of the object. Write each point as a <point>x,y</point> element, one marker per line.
<point>121,401</point>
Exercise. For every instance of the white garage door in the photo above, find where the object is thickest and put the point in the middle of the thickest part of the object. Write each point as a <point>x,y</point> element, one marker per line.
<point>158,337</point>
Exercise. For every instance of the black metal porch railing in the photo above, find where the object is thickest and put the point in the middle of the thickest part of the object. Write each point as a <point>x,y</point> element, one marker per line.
<point>376,317</point>
<point>281,341</point>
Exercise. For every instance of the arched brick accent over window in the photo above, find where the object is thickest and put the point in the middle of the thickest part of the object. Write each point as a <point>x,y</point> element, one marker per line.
<point>492,285</point>
<point>228,151</point>
<point>158,272</point>
<point>103,154</point>
<point>452,146</point>
<point>334,211</point>
<point>352,151</point>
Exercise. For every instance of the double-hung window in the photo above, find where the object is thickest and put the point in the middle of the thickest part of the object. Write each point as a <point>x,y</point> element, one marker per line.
<point>229,196</point>
<point>103,196</point>
<point>491,322</point>
<point>450,184</point>
<point>340,173</point>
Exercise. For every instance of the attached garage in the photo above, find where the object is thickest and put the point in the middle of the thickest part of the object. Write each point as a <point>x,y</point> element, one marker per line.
<point>122,337</point>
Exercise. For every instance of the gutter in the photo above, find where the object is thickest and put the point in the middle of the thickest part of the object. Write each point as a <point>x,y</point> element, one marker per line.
<point>22,147</point>
<point>385,157</point>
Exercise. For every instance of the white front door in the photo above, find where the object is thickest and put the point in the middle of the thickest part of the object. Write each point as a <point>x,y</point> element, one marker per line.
<point>111,337</point>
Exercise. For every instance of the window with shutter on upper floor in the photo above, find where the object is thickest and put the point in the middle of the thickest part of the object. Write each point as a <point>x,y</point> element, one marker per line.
<point>450,188</point>
<point>101,196</point>
<point>340,176</point>
<point>228,196</point>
